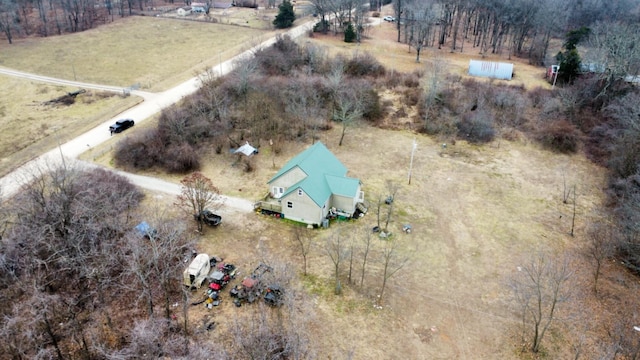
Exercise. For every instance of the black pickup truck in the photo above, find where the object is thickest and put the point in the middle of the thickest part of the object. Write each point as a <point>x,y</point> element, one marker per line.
<point>208,217</point>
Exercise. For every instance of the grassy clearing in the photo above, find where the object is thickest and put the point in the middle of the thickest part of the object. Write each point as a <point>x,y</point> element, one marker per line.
<point>475,217</point>
<point>30,128</point>
<point>380,41</point>
<point>153,52</point>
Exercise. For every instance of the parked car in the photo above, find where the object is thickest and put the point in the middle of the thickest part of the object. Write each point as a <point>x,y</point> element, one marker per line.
<point>121,125</point>
<point>208,217</point>
<point>389,18</point>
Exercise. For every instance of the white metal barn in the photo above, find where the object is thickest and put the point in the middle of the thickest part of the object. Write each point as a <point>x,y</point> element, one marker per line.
<point>496,70</point>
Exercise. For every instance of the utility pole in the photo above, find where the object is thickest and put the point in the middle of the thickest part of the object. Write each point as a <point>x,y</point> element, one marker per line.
<point>413,150</point>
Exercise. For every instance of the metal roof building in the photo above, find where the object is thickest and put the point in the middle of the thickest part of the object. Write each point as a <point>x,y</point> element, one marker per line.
<point>495,70</point>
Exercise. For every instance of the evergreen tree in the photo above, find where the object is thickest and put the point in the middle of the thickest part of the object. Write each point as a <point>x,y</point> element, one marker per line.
<point>286,16</point>
<point>349,34</point>
<point>569,60</point>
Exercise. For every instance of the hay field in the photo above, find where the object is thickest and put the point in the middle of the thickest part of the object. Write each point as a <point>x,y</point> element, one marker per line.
<point>155,53</point>
<point>30,128</point>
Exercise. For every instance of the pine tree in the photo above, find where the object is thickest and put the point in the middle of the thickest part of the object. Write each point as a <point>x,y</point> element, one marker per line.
<point>349,34</point>
<point>286,16</point>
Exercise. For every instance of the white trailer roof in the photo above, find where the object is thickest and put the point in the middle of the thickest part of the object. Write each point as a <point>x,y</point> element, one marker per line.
<point>490,69</point>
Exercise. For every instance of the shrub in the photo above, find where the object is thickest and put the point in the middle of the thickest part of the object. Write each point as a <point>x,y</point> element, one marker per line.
<point>372,109</point>
<point>476,127</point>
<point>412,96</point>
<point>281,58</point>
<point>539,96</point>
<point>321,26</point>
<point>560,136</point>
<point>181,158</point>
<point>141,151</point>
<point>364,65</point>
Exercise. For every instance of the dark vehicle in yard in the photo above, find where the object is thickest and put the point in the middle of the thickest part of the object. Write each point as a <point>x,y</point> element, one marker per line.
<point>208,217</point>
<point>121,125</point>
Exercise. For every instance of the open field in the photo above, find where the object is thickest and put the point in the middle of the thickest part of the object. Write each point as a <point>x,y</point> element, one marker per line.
<point>380,41</point>
<point>157,54</point>
<point>477,213</point>
<point>30,128</point>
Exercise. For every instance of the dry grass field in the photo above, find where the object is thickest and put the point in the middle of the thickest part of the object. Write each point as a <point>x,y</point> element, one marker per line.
<point>30,128</point>
<point>155,53</point>
<point>477,214</point>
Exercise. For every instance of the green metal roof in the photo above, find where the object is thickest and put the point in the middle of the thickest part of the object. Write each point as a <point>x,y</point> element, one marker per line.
<point>326,175</point>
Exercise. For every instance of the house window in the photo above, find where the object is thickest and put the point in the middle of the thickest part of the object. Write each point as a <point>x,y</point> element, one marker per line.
<point>277,192</point>
<point>361,196</point>
<point>299,192</point>
<point>289,204</point>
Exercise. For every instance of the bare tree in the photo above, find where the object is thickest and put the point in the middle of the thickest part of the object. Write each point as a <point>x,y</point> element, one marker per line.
<point>392,262</point>
<point>599,247</point>
<point>614,45</point>
<point>243,71</point>
<point>422,20</point>
<point>348,110</point>
<point>304,241</point>
<point>392,191</point>
<point>8,23</point>
<point>198,193</point>
<point>337,252</point>
<point>367,246</point>
<point>433,84</point>
<point>538,288</point>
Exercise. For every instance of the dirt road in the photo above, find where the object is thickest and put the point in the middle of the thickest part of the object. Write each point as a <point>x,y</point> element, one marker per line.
<point>153,104</point>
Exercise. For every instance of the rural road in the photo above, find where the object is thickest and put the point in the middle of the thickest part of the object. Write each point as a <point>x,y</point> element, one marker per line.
<point>153,103</point>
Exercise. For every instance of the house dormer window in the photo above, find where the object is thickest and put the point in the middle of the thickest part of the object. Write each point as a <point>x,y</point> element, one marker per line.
<point>300,192</point>
<point>277,192</point>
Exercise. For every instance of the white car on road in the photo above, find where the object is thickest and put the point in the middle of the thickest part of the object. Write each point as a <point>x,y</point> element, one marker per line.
<point>389,18</point>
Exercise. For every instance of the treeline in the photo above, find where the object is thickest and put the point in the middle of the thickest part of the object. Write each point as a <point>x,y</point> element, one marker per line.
<point>20,18</point>
<point>517,28</point>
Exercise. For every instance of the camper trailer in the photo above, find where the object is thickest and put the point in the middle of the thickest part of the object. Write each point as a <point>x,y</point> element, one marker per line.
<point>197,271</point>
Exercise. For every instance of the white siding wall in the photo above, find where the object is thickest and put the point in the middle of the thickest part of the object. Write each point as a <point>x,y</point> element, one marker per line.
<point>303,210</point>
<point>344,203</point>
<point>291,177</point>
